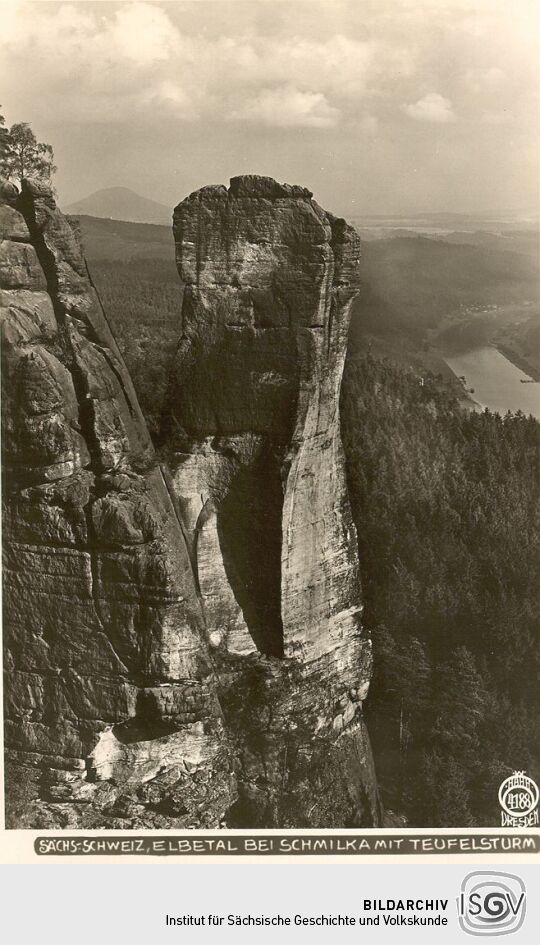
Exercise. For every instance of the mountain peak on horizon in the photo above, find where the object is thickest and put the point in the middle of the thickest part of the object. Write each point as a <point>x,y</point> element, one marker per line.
<point>121,203</point>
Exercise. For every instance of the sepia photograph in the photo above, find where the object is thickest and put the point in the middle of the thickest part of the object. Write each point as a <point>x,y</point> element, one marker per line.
<point>270,306</point>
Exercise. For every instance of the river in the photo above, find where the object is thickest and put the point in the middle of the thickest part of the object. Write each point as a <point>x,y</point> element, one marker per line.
<point>496,381</point>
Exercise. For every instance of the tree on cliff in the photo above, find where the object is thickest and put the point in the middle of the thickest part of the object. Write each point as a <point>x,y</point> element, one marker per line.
<point>23,156</point>
<point>4,135</point>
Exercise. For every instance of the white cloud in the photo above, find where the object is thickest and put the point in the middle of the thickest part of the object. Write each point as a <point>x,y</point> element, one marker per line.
<point>173,98</point>
<point>142,32</point>
<point>287,107</point>
<point>138,31</point>
<point>139,56</point>
<point>316,64</point>
<point>432,108</point>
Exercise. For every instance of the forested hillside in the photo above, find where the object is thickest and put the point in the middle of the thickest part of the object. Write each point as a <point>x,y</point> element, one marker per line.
<point>425,298</point>
<point>415,282</point>
<point>143,301</point>
<point>446,506</point>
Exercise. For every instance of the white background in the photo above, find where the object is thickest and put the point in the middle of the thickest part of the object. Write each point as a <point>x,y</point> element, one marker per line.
<point>80,904</point>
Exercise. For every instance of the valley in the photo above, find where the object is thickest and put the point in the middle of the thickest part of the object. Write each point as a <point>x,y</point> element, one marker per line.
<point>424,300</point>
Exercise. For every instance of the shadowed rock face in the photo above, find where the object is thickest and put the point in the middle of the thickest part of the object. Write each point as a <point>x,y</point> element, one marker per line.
<point>252,434</point>
<point>111,714</point>
<point>183,648</point>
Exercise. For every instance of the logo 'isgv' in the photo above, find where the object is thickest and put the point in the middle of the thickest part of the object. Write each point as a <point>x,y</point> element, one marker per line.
<point>491,903</point>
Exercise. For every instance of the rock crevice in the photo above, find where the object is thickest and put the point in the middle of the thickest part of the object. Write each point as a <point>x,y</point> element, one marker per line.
<point>183,642</point>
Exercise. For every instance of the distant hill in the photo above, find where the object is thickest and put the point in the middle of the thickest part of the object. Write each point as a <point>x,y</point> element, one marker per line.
<point>122,241</point>
<point>509,226</point>
<point>121,203</point>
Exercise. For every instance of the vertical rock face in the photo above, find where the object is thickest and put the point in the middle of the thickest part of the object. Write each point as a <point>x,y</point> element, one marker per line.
<point>111,712</point>
<point>183,648</point>
<point>251,430</point>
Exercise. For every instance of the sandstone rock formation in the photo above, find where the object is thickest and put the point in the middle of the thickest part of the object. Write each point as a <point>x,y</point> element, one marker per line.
<point>252,434</point>
<point>183,648</point>
<point>111,714</point>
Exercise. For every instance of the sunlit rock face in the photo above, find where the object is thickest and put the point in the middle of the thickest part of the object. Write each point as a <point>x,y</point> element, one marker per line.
<point>252,434</point>
<point>111,709</point>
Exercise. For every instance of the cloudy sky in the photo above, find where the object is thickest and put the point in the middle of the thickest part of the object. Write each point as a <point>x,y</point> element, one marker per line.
<point>379,106</point>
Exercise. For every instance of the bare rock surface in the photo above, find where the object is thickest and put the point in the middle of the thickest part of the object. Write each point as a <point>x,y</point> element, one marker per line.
<point>252,433</point>
<point>183,644</point>
<point>111,711</point>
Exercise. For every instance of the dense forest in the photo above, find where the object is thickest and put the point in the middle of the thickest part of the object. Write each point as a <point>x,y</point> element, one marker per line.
<point>143,301</point>
<point>446,505</point>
